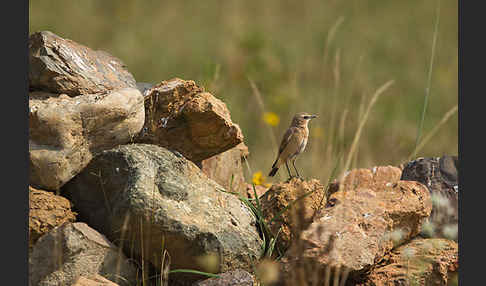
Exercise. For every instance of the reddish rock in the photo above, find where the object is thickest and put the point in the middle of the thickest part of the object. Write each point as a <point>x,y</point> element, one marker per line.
<point>300,215</point>
<point>181,117</point>
<point>46,211</point>
<point>60,65</point>
<point>227,165</point>
<point>66,132</point>
<point>96,280</point>
<point>362,222</point>
<point>260,190</point>
<point>419,262</point>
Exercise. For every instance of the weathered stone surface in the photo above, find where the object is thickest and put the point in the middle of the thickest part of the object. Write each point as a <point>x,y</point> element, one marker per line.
<point>72,250</point>
<point>96,280</point>
<point>300,215</point>
<point>65,132</point>
<point>151,196</point>
<point>180,116</point>
<point>260,191</point>
<point>227,165</point>
<point>440,176</point>
<point>363,221</point>
<point>46,211</point>
<point>236,277</point>
<point>58,65</point>
<point>420,262</point>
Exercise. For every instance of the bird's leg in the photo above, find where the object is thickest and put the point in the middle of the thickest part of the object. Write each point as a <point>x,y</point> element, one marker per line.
<point>288,169</point>
<point>293,163</point>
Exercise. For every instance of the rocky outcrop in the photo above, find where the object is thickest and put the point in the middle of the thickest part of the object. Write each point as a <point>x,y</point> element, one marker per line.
<point>440,176</point>
<point>66,132</point>
<point>73,250</point>
<point>58,65</point>
<point>180,116</point>
<point>226,169</point>
<point>236,277</point>
<point>299,214</point>
<point>46,211</point>
<point>366,218</point>
<point>421,262</point>
<point>145,195</point>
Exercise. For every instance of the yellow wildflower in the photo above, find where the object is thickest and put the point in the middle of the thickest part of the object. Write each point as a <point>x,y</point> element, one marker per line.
<point>271,118</point>
<point>259,180</point>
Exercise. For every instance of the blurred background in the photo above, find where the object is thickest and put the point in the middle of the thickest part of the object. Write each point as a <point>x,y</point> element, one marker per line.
<point>269,59</point>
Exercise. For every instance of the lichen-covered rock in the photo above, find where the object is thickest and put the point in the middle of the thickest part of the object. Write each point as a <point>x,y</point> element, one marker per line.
<point>236,277</point>
<point>299,215</point>
<point>58,65</point>
<point>147,195</point>
<point>365,219</point>
<point>440,176</point>
<point>73,250</point>
<point>46,211</point>
<point>226,169</point>
<point>180,116</point>
<point>420,262</point>
<point>66,132</point>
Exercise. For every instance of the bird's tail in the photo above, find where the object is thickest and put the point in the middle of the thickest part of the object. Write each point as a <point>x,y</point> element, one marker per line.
<point>274,169</point>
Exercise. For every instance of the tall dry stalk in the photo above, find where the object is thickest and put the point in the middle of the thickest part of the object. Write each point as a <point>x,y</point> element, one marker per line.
<point>363,120</point>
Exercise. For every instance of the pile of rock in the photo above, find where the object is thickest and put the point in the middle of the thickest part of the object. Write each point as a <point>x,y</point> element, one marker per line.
<point>132,179</point>
<point>137,163</point>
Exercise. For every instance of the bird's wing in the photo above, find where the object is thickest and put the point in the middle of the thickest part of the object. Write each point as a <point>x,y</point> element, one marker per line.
<point>286,139</point>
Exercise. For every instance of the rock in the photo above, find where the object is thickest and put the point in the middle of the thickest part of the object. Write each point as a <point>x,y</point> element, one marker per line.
<point>419,262</point>
<point>46,211</point>
<point>58,65</point>
<point>72,250</point>
<point>154,197</point>
<point>180,116</point>
<point>440,176</point>
<point>370,215</point>
<point>66,132</point>
<point>236,277</point>
<point>260,190</point>
<point>299,216</point>
<point>227,165</point>
<point>96,280</point>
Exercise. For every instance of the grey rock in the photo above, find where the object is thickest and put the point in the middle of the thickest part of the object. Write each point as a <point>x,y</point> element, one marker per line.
<point>236,277</point>
<point>146,198</point>
<point>440,175</point>
<point>73,250</point>
<point>66,132</point>
<point>60,65</point>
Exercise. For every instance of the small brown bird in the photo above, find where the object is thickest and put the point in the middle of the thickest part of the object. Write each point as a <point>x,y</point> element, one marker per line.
<point>293,142</point>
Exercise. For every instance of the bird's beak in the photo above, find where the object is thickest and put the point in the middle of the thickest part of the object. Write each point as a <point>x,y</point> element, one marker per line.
<point>313,116</point>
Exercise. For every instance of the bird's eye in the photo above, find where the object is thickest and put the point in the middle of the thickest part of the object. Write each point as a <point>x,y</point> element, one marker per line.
<point>306,117</point>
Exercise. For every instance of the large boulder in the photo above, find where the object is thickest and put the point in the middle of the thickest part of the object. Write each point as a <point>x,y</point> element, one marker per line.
<point>226,169</point>
<point>432,261</point>
<point>72,250</point>
<point>371,212</point>
<point>66,132</point>
<point>46,211</point>
<point>180,116</point>
<point>58,65</point>
<point>148,199</point>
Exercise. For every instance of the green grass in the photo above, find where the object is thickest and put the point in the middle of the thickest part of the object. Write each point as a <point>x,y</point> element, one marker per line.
<point>324,57</point>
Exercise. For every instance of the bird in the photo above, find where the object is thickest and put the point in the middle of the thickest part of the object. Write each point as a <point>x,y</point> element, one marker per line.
<point>293,142</point>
